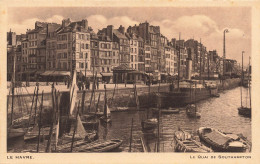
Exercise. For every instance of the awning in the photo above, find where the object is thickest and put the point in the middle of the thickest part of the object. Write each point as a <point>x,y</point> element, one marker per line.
<point>60,73</point>
<point>137,72</point>
<point>39,72</point>
<point>47,73</point>
<point>106,73</point>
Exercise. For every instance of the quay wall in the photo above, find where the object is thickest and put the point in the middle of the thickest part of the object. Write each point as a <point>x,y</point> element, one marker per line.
<point>123,97</point>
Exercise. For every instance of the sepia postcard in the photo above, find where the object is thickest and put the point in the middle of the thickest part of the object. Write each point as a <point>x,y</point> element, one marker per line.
<point>129,81</point>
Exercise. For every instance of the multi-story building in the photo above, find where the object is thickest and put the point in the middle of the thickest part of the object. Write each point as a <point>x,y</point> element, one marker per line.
<point>168,59</point>
<point>105,53</point>
<point>25,46</point>
<point>147,51</point>
<point>133,40</point>
<point>51,46</point>
<point>94,57</point>
<point>37,49</point>
<point>151,36</point>
<point>14,61</point>
<point>118,36</point>
<point>73,46</point>
<point>141,55</point>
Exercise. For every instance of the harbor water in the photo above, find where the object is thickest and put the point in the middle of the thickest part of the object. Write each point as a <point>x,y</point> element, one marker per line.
<point>220,113</point>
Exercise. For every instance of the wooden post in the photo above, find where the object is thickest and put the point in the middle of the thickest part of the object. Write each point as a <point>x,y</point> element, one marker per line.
<point>31,109</point>
<point>75,128</point>
<point>97,103</point>
<point>130,146</point>
<point>12,108</point>
<point>158,137</point>
<point>105,99</point>
<point>83,101</point>
<point>37,90</point>
<point>39,124</point>
<point>57,116</point>
<point>93,90</point>
<point>48,147</point>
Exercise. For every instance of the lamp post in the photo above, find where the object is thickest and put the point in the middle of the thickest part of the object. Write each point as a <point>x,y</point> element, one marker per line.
<point>224,50</point>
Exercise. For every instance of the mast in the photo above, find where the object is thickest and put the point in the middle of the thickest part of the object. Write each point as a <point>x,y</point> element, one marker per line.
<point>195,97</point>
<point>242,78</point>
<point>249,81</point>
<point>200,57</point>
<point>208,66</point>
<point>13,86</point>
<point>105,106</point>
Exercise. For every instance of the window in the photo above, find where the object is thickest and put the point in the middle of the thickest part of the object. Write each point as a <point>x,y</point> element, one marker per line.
<point>65,54</point>
<point>86,55</point>
<point>86,65</point>
<point>86,46</point>
<point>81,55</point>
<point>114,54</point>
<point>65,65</point>
<point>82,46</point>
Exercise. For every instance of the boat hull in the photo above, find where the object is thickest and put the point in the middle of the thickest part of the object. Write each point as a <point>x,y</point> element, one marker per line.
<point>221,142</point>
<point>184,96</point>
<point>244,111</point>
<point>96,146</point>
<point>184,143</point>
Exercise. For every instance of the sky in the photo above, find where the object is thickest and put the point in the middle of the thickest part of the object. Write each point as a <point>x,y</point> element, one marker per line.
<point>205,23</point>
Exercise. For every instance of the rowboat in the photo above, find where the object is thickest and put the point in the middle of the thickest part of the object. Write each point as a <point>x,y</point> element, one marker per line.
<point>149,125</point>
<point>215,95</point>
<point>90,125</point>
<point>170,110</point>
<point>222,142</point>
<point>96,146</point>
<point>98,114</point>
<point>192,112</point>
<point>33,133</point>
<point>245,111</point>
<point>185,143</point>
<point>14,133</point>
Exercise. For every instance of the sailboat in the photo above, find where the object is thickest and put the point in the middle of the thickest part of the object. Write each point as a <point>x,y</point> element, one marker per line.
<point>149,124</point>
<point>191,109</point>
<point>107,114</point>
<point>11,131</point>
<point>244,110</point>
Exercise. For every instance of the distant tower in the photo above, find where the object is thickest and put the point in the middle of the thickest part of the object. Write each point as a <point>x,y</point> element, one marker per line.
<point>11,38</point>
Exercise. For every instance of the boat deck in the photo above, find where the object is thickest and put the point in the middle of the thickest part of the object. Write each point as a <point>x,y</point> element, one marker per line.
<point>216,137</point>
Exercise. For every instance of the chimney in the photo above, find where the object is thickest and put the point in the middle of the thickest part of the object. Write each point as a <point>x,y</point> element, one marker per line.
<point>85,24</point>
<point>65,22</point>
<point>121,29</point>
<point>109,31</point>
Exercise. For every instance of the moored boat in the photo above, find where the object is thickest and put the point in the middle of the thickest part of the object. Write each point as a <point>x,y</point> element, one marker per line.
<point>96,146</point>
<point>245,111</point>
<point>222,142</point>
<point>185,143</point>
<point>149,125</point>
<point>32,134</point>
<point>170,110</point>
<point>14,133</point>
<point>192,112</point>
